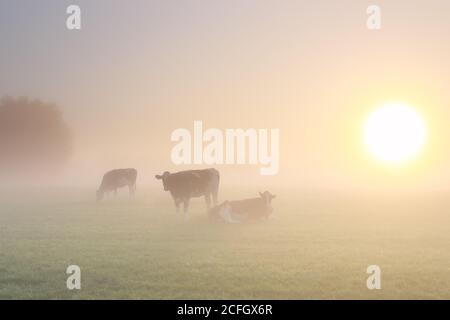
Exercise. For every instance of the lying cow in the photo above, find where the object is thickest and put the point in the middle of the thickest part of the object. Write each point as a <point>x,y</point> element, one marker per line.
<point>248,209</point>
<point>185,185</point>
<point>115,179</point>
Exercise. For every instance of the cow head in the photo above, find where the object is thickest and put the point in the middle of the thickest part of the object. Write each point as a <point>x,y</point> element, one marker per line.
<point>267,197</point>
<point>164,177</point>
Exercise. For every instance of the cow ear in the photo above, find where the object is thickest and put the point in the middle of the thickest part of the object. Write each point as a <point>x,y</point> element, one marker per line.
<point>261,194</point>
<point>158,177</point>
<point>274,196</point>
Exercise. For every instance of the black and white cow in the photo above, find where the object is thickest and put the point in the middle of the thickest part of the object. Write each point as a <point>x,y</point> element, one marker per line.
<point>185,185</point>
<point>115,179</point>
<point>247,209</point>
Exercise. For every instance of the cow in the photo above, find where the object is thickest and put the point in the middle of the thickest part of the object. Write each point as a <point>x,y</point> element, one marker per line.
<point>115,179</point>
<point>248,209</point>
<point>185,185</point>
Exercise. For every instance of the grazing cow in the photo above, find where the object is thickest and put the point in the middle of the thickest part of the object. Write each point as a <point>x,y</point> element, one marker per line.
<point>238,210</point>
<point>115,179</point>
<point>185,185</point>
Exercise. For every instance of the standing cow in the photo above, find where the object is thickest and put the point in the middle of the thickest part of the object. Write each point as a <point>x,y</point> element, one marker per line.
<point>115,179</point>
<point>185,185</point>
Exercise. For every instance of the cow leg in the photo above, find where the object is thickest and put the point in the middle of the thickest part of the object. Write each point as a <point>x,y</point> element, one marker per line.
<point>227,215</point>
<point>186,209</point>
<point>132,189</point>
<point>177,206</point>
<point>208,200</point>
<point>214,194</point>
<point>115,192</point>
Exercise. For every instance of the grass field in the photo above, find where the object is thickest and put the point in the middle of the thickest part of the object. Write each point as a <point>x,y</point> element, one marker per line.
<point>317,246</point>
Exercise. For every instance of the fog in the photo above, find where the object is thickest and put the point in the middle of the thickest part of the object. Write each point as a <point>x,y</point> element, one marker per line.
<point>135,73</point>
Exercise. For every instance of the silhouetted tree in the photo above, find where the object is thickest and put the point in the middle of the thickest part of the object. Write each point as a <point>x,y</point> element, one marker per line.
<point>34,138</point>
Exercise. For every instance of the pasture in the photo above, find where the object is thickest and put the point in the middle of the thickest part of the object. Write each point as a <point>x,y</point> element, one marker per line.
<point>316,246</point>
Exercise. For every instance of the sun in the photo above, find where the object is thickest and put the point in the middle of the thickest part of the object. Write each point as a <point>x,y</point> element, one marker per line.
<point>394,133</point>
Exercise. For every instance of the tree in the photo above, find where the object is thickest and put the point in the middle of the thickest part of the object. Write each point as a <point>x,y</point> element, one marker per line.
<point>34,138</point>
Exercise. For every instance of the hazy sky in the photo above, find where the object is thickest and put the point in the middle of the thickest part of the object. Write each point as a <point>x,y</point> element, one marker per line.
<point>140,69</point>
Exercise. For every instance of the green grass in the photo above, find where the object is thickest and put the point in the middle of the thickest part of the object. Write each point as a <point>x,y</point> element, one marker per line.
<point>316,247</point>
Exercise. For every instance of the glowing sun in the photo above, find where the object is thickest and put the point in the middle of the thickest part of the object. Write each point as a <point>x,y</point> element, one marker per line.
<point>394,133</point>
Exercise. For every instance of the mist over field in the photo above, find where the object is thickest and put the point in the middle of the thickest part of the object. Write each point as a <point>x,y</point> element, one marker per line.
<point>315,248</point>
<point>76,104</point>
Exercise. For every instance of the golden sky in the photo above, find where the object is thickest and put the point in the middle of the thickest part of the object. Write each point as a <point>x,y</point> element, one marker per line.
<point>136,72</point>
